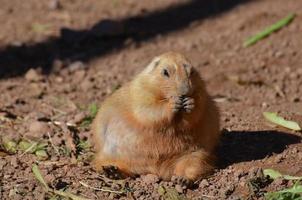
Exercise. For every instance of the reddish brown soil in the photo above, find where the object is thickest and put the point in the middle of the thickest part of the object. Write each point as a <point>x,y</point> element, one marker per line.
<point>55,60</point>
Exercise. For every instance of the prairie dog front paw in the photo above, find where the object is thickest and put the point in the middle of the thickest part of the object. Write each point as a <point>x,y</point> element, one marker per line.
<point>177,104</point>
<point>188,104</point>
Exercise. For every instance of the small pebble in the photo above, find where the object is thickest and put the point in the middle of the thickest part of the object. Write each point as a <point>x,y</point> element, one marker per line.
<point>37,129</point>
<point>229,190</point>
<point>150,178</point>
<point>79,117</point>
<point>179,188</point>
<point>278,158</point>
<point>77,65</point>
<point>14,162</point>
<point>280,181</point>
<point>79,75</point>
<point>204,183</point>
<point>33,75</point>
<point>86,85</point>
<point>138,193</point>
<point>278,54</point>
<point>54,5</point>
<point>2,164</point>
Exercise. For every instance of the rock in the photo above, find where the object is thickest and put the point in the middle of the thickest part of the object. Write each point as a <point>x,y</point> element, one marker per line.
<point>229,190</point>
<point>278,158</point>
<point>204,183</point>
<point>280,181</point>
<point>49,178</point>
<point>14,162</point>
<point>36,90</point>
<point>79,117</point>
<point>37,129</point>
<point>242,183</point>
<point>112,196</point>
<point>239,174</point>
<point>79,75</point>
<point>33,75</point>
<point>299,156</point>
<point>35,115</point>
<point>179,188</point>
<point>57,65</point>
<point>138,193</point>
<point>86,85</point>
<point>278,54</point>
<point>150,178</point>
<point>54,5</point>
<point>77,65</point>
<point>295,150</point>
<point>59,79</point>
<point>255,172</point>
<point>116,186</point>
<point>2,164</point>
<point>235,197</point>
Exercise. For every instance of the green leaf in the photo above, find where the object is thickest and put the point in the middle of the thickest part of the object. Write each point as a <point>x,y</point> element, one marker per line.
<point>161,190</point>
<point>10,146</point>
<point>272,173</point>
<point>275,27</point>
<point>39,176</point>
<point>41,154</point>
<point>296,189</point>
<point>93,109</point>
<point>275,174</point>
<point>40,28</point>
<point>24,145</point>
<point>33,147</point>
<point>169,193</point>
<point>282,196</point>
<point>172,194</point>
<point>83,145</point>
<point>288,177</point>
<point>41,146</point>
<point>274,118</point>
<point>293,193</point>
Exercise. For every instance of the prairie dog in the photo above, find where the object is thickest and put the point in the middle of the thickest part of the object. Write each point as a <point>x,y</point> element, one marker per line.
<point>162,122</point>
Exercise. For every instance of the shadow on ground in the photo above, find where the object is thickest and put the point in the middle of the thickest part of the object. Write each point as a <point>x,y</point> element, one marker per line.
<point>106,36</point>
<point>240,146</point>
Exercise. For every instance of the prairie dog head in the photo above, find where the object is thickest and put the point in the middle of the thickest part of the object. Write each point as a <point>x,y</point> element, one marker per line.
<point>172,74</point>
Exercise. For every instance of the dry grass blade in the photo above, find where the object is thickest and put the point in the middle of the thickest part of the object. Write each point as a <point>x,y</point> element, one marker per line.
<point>69,195</point>
<point>52,144</point>
<point>39,176</point>
<point>101,189</point>
<point>275,27</point>
<point>274,118</point>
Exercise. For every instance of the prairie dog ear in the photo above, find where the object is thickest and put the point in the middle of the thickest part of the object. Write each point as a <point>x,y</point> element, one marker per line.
<point>152,65</point>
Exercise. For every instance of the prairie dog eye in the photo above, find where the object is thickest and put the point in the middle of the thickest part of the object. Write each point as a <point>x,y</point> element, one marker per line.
<point>165,73</point>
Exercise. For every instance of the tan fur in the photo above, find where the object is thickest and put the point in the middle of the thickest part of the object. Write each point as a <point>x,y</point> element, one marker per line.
<point>137,131</point>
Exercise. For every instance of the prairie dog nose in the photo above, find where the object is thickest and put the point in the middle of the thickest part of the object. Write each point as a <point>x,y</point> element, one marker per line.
<point>184,89</point>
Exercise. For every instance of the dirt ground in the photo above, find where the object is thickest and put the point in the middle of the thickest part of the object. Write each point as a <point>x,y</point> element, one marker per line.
<point>58,58</point>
